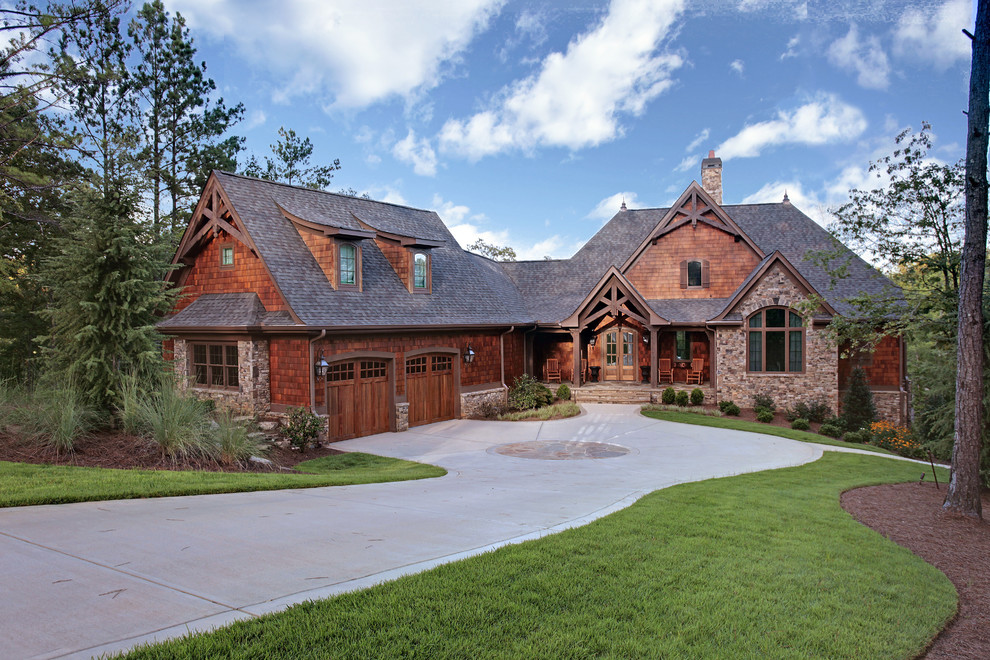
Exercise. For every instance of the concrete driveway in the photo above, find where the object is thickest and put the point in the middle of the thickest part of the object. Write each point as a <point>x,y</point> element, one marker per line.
<point>83,579</point>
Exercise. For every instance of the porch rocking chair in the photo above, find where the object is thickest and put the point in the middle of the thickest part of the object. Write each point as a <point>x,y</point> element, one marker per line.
<point>694,373</point>
<point>553,371</point>
<point>665,371</point>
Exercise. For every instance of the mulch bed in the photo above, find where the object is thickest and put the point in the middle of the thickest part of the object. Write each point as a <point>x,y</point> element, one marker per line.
<point>911,515</point>
<point>116,449</point>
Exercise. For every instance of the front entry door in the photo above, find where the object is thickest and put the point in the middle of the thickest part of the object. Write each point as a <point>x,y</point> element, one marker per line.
<point>619,354</point>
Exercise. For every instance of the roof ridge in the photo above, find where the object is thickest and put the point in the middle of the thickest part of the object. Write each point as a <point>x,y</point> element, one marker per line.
<point>319,190</point>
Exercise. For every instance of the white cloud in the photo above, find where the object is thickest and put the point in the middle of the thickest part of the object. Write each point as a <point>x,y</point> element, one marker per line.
<point>792,45</point>
<point>353,54</point>
<point>417,153</point>
<point>698,140</point>
<point>689,162</point>
<point>373,159</point>
<point>577,97</point>
<point>451,213</point>
<point>609,206</point>
<point>737,66</point>
<point>935,35</point>
<point>866,59</point>
<point>255,119</point>
<point>807,202</point>
<point>824,120</point>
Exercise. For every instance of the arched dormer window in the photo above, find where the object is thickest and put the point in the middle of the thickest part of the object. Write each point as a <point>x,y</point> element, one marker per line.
<point>421,272</point>
<point>775,341</point>
<point>349,266</point>
<point>695,274</point>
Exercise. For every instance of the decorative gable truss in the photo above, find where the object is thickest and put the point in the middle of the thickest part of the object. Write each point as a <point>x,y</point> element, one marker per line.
<point>212,216</point>
<point>694,206</point>
<point>613,296</point>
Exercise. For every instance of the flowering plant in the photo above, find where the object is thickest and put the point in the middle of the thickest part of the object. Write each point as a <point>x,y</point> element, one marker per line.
<point>897,439</point>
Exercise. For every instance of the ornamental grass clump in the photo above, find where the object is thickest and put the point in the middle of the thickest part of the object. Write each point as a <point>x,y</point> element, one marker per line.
<point>56,418</point>
<point>234,440</point>
<point>897,439</point>
<point>178,424</point>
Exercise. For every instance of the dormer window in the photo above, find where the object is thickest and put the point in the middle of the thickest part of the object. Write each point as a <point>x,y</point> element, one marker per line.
<point>695,274</point>
<point>349,265</point>
<point>421,272</point>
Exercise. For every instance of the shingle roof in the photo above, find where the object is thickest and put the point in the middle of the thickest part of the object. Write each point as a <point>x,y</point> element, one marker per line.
<point>468,289</point>
<point>465,290</point>
<point>232,310</point>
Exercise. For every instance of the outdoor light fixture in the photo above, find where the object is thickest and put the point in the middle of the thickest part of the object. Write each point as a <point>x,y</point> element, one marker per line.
<point>322,366</point>
<point>593,340</point>
<point>646,340</point>
<point>468,355</point>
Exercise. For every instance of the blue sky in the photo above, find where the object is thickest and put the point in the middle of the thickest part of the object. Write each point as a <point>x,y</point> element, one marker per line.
<point>527,123</point>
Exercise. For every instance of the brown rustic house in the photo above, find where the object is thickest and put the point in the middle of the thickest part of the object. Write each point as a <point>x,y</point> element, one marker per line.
<point>370,313</point>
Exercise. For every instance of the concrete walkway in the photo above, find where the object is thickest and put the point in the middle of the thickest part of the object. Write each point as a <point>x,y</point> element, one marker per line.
<point>78,580</point>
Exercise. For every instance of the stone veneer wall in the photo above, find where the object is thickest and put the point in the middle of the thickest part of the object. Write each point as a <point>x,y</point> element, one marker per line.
<point>471,402</point>
<point>890,406</point>
<point>253,395</point>
<point>820,379</point>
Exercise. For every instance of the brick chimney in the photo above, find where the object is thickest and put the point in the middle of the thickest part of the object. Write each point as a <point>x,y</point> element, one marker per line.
<point>711,177</point>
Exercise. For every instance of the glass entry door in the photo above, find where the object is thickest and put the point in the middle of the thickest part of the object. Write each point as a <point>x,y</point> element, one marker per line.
<point>619,354</point>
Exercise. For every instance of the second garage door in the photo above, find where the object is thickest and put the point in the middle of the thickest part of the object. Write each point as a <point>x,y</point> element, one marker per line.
<point>357,398</point>
<point>430,388</point>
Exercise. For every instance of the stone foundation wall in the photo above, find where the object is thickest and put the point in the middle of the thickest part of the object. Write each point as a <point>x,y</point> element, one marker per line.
<point>471,402</point>
<point>890,406</point>
<point>818,381</point>
<point>253,394</point>
<point>402,416</point>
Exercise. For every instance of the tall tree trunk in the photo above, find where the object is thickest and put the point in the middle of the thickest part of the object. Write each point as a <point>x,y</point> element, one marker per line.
<point>964,487</point>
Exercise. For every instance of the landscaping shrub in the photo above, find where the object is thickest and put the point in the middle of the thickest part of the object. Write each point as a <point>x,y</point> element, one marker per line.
<point>668,396</point>
<point>722,405</point>
<point>897,439</point>
<point>178,424</point>
<point>813,411</point>
<point>564,392</point>
<point>682,398</point>
<point>800,424</point>
<point>697,397</point>
<point>862,436</point>
<point>764,415</point>
<point>527,392</point>
<point>56,417</point>
<point>491,409</point>
<point>731,409</point>
<point>858,411</point>
<point>765,401</point>
<point>694,410</point>
<point>554,411</point>
<point>831,430</point>
<point>234,442</point>
<point>302,428</point>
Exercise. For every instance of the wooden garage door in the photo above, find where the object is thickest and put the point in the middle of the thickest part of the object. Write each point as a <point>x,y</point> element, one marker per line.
<point>357,398</point>
<point>430,388</point>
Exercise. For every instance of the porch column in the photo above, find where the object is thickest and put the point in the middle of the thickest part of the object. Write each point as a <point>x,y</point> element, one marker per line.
<point>654,380</point>
<point>576,351</point>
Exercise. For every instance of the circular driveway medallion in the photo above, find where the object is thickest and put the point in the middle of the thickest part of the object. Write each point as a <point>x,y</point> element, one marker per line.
<point>559,450</point>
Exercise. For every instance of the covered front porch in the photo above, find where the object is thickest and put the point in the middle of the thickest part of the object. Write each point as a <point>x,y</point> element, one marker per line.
<point>615,337</point>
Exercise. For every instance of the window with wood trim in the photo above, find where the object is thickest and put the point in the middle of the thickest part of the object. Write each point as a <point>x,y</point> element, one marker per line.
<point>695,274</point>
<point>421,272</point>
<point>227,256</point>
<point>215,366</point>
<point>775,341</point>
<point>348,265</point>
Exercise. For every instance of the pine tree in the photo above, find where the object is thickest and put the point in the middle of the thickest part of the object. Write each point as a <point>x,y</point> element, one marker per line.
<point>858,410</point>
<point>291,163</point>
<point>107,296</point>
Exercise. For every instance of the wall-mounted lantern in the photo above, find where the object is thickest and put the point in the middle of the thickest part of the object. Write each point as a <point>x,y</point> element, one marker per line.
<point>468,355</point>
<point>322,366</point>
<point>593,341</point>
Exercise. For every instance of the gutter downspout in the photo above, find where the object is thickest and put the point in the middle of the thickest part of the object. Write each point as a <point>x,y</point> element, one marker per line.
<point>501,353</point>
<point>312,374</point>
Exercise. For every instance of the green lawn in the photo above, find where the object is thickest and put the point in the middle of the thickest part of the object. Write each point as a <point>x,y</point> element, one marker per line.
<point>755,427</point>
<point>23,483</point>
<point>758,565</point>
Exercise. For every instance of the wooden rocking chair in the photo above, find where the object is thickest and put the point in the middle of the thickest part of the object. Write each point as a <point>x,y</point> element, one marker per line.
<point>695,372</point>
<point>665,371</point>
<point>552,371</point>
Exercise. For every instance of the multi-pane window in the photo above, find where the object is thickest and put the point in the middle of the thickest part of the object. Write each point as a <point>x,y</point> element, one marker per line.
<point>611,349</point>
<point>215,365</point>
<point>340,372</point>
<point>420,266</point>
<point>442,363</point>
<point>776,341</point>
<point>227,256</point>
<point>348,264</point>
<point>683,345</point>
<point>416,365</point>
